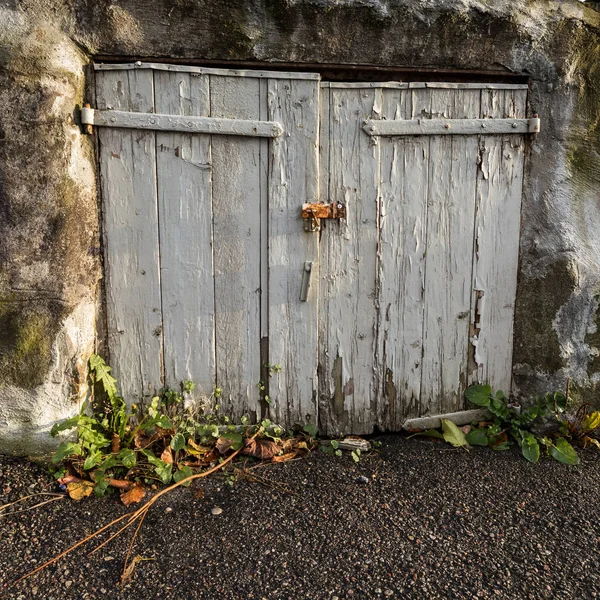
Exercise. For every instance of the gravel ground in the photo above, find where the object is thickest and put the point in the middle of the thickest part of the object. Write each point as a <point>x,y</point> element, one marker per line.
<point>418,520</point>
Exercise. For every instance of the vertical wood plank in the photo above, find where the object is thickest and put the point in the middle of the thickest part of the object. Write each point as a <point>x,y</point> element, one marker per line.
<point>450,216</point>
<point>128,179</point>
<point>236,247</point>
<point>402,220</point>
<point>327,423</point>
<point>349,298</point>
<point>497,225</point>
<point>185,219</point>
<point>293,324</point>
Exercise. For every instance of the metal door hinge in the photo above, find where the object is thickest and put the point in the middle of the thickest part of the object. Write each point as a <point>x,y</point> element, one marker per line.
<point>182,123</point>
<point>313,212</point>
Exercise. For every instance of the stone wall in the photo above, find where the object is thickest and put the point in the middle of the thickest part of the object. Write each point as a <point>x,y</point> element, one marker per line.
<point>49,214</point>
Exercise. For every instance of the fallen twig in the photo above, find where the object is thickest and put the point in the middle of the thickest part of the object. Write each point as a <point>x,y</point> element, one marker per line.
<point>140,513</point>
<point>16,512</point>
<point>259,479</point>
<point>30,496</point>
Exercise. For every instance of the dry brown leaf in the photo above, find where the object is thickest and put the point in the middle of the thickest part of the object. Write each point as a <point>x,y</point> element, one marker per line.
<point>134,495</point>
<point>195,449</point>
<point>589,440</point>
<point>285,457</point>
<point>167,455</point>
<point>141,440</point>
<point>261,449</point>
<point>78,490</point>
<point>287,444</point>
<point>223,445</point>
<point>116,443</point>
<point>204,459</point>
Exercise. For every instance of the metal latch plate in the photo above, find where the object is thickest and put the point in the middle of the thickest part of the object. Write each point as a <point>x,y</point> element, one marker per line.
<point>313,212</point>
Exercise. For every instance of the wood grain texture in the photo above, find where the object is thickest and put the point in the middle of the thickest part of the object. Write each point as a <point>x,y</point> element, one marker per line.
<point>497,225</point>
<point>402,242</point>
<point>128,179</point>
<point>349,259</point>
<point>185,219</point>
<point>236,250</point>
<point>450,216</point>
<point>293,180</point>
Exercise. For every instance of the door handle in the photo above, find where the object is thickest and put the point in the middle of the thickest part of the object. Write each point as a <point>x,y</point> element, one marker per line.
<point>306,275</point>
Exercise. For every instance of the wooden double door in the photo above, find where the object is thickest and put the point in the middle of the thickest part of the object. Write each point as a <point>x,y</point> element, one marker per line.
<point>213,273</point>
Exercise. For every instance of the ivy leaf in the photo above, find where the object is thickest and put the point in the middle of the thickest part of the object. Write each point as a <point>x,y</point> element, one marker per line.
<point>310,429</point>
<point>563,452</point>
<point>498,407</point>
<point>100,488</point>
<point>101,485</point>
<point>67,424</point>
<point>161,468</point>
<point>453,435</point>
<point>479,394</point>
<point>530,447</point>
<point>92,460</point>
<point>182,474</point>
<point>478,437</point>
<point>65,450</point>
<point>178,442</point>
<point>164,472</point>
<point>164,422</point>
<point>127,457</point>
<point>109,462</point>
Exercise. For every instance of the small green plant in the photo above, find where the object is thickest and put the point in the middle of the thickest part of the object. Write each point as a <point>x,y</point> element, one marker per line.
<point>161,440</point>
<point>262,386</point>
<point>331,447</point>
<point>512,423</point>
<point>355,454</point>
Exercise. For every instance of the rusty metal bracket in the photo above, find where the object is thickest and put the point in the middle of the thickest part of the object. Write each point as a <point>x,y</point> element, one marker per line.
<point>313,212</point>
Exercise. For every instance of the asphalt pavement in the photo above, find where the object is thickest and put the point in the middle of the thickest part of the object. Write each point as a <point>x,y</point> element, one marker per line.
<point>417,519</point>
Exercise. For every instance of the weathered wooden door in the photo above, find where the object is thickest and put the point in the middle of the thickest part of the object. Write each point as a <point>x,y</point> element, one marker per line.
<point>204,243</point>
<point>419,283</point>
<point>384,315</point>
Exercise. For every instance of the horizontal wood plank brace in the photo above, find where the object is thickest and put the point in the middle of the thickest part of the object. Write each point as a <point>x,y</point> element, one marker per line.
<point>413,85</point>
<point>205,70</point>
<point>451,126</point>
<point>136,120</point>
